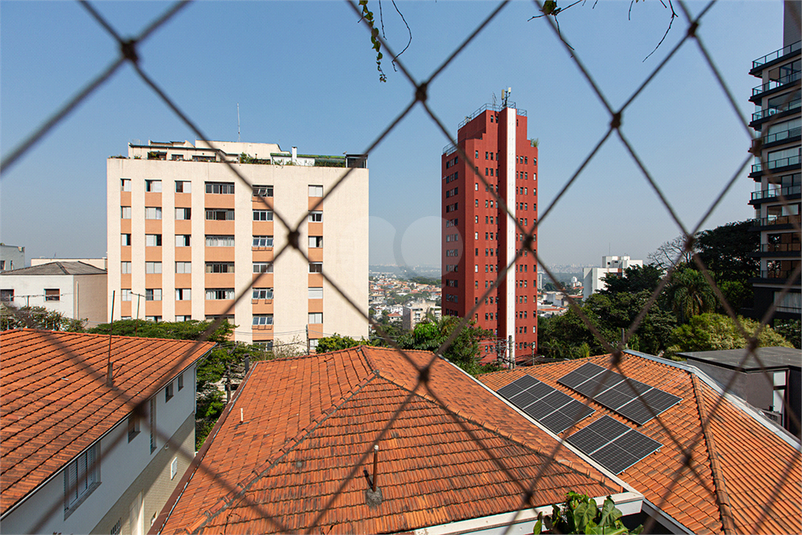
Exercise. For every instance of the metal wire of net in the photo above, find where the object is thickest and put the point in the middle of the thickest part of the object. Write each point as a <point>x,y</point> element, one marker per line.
<point>129,53</point>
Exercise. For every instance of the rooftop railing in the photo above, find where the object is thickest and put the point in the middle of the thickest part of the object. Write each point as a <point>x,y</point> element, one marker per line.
<point>491,107</point>
<point>771,56</point>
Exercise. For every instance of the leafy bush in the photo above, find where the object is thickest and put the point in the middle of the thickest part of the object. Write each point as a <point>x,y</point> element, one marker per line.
<point>582,515</point>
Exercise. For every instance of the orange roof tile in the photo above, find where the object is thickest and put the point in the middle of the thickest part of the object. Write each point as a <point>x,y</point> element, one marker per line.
<point>302,455</point>
<point>741,465</point>
<point>55,400</point>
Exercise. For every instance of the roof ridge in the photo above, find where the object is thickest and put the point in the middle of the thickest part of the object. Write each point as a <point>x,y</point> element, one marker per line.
<point>719,481</point>
<point>289,445</point>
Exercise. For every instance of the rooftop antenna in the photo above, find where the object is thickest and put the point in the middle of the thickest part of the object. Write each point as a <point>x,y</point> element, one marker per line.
<point>238,136</point>
<point>494,99</point>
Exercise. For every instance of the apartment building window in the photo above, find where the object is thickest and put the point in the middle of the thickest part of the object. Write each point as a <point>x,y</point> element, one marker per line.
<point>218,294</point>
<point>263,215</point>
<point>315,217</point>
<point>220,215</point>
<point>263,267</point>
<point>219,267</point>
<point>153,186</point>
<point>125,268</point>
<point>125,184</point>
<point>183,294</point>
<point>126,294</point>
<point>183,267</point>
<point>315,191</point>
<point>168,392</point>
<point>183,186</point>
<point>82,477</point>
<point>315,242</point>
<point>153,294</point>
<point>263,293</point>
<point>52,294</point>
<point>125,240</point>
<point>183,318</point>
<point>220,188</point>
<point>153,212</point>
<point>315,267</point>
<point>219,241</point>
<point>153,267</point>
<point>263,191</point>
<point>263,319</point>
<point>183,214</point>
<point>316,293</point>
<point>183,240</point>
<point>315,317</point>
<point>153,240</point>
<point>262,241</point>
<point>125,212</point>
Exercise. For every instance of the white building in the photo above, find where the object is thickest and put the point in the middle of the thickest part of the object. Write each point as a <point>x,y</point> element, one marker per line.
<point>594,277</point>
<point>75,457</point>
<point>73,289</point>
<point>186,236</point>
<point>11,257</point>
<point>416,312</point>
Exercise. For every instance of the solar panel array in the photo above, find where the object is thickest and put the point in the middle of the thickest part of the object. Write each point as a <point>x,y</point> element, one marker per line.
<point>631,399</point>
<point>612,444</point>
<point>554,409</point>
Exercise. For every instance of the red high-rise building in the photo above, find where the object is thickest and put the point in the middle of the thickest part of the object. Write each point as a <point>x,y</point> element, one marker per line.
<point>479,240</point>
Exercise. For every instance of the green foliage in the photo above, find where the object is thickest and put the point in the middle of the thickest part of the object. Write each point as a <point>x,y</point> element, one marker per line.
<point>367,16</point>
<point>582,515</point>
<point>463,351</point>
<point>38,318</point>
<point>790,330</point>
<point>209,407</point>
<point>689,294</point>
<point>333,343</point>
<point>727,251</point>
<point>635,279</point>
<point>179,330</point>
<point>710,332</point>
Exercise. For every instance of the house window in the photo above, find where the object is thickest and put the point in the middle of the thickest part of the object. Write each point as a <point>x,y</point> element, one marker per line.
<point>315,317</point>
<point>153,267</point>
<point>262,241</point>
<point>82,477</point>
<point>315,191</point>
<point>153,212</point>
<point>180,382</point>
<point>263,267</point>
<point>125,212</point>
<point>183,186</point>
<point>315,217</point>
<point>153,186</point>
<point>315,293</point>
<point>153,294</point>
<point>315,241</point>
<point>168,392</point>
<point>52,294</point>
<point>220,188</point>
<point>219,241</point>
<point>183,267</point>
<point>263,293</point>
<point>6,296</point>
<point>263,191</point>
<point>315,267</point>
<point>153,240</point>
<point>125,240</point>
<point>183,214</point>
<point>174,468</point>
<point>183,294</point>
<point>152,424</point>
<point>220,215</point>
<point>263,215</point>
<point>125,268</point>
<point>133,426</point>
<point>219,267</point>
<point>126,294</point>
<point>183,240</point>
<point>263,319</point>
<point>217,294</point>
<point>125,184</point>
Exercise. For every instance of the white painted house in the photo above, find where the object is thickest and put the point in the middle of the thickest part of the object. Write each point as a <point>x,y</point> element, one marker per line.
<point>76,456</point>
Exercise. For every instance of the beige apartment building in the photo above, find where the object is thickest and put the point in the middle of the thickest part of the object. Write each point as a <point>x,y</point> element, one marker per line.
<point>186,236</point>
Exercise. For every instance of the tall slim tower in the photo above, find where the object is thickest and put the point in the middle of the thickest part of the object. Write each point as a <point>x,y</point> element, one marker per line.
<point>479,240</point>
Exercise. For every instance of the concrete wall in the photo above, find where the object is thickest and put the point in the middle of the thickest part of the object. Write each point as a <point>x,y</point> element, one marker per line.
<point>12,257</point>
<point>80,296</point>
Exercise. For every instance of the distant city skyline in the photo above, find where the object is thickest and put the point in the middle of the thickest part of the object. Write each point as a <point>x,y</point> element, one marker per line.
<point>311,82</point>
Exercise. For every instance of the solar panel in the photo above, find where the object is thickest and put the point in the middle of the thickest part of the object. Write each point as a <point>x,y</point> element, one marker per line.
<point>614,392</point>
<point>552,408</point>
<point>612,444</point>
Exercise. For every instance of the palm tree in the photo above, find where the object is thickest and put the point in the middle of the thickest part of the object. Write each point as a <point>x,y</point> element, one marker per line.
<point>690,294</point>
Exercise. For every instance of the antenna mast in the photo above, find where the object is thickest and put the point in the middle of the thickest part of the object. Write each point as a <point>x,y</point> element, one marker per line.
<point>238,136</point>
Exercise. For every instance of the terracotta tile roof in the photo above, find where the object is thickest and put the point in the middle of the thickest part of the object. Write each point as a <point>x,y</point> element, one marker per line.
<point>54,407</point>
<point>741,466</point>
<point>302,454</point>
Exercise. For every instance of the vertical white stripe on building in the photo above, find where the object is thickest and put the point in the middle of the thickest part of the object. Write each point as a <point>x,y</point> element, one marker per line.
<point>510,200</point>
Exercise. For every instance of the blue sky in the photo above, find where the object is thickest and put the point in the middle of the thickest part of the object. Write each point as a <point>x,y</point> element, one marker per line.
<point>303,74</point>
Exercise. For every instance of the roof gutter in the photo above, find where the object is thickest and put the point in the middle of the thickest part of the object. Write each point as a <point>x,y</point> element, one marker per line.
<point>522,522</point>
<point>665,519</point>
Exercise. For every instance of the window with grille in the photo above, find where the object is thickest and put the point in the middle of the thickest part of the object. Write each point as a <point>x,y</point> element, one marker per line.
<point>220,188</point>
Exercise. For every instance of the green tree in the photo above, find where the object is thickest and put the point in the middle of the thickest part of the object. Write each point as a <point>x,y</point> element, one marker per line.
<point>463,351</point>
<point>634,279</point>
<point>689,294</point>
<point>728,251</point>
<point>37,318</point>
<point>335,342</point>
<point>711,331</point>
<point>582,515</point>
<point>791,330</point>
<point>179,330</point>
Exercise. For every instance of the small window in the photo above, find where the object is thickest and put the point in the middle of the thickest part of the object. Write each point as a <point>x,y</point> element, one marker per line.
<point>262,293</point>
<point>183,294</point>
<point>174,468</point>
<point>52,294</point>
<point>183,240</point>
<point>220,215</point>
<point>218,294</point>
<point>180,382</point>
<point>315,217</point>
<point>315,267</point>
<point>315,317</point>
<point>263,215</point>
<point>152,424</point>
<point>262,191</point>
<point>220,188</point>
<point>153,240</point>
<point>125,268</point>
<point>153,267</point>
<point>183,214</point>
<point>315,191</point>
<point>220,241</point>
<point>153,186</point>
<point>125,212</point>
<point>262,241</point>
<point>315,242</point>
<point>183,267</point>
<point>263,267</point>
<point>219,267</point>
<point>263,319</point>
<point>183,186</point>
<point>168,392</point>
<point>153,294</point>
<point>82,476</point>
<point>315,293</point>
<point>133,426</point>
<point>153,212</point>
<point>125,240</point>
<point>126,294</point>
<point>125,184</point>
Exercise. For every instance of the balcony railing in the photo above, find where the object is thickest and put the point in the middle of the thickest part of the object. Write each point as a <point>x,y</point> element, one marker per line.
<point>776,164</point>
<point>774,84</point>
<point>784,51</point>
<point>776,273</point>
<point>768,112</point>
<point>775,192</point>
<point>776,220</point>
<point>779,247</point>
<point>780,136</point>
